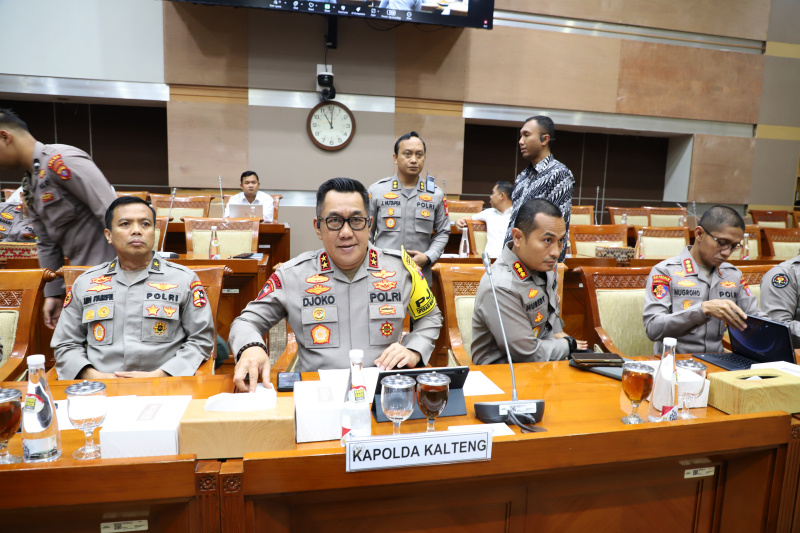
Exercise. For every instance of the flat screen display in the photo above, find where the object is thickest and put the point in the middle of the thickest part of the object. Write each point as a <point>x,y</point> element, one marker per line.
<point>459,13</point>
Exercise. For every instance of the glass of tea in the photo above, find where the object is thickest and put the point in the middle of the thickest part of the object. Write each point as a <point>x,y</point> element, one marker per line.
<point>86,408</point>
<point>637,382</point>
<point>10,417</point>
<point>432,392</point>
<point>691,381</point>
<point>397,399</point>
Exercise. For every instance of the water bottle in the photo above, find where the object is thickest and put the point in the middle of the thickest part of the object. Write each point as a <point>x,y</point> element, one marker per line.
<point>356,418</point>
<point>624,219</point>
<point>463,248</point>
<point>682,220</point>
<point>252,211</point>
<point>638,251</point>
<point>664,399</point>
<point>213,246</point>
<point>746,247</point>
<point>41,439</point>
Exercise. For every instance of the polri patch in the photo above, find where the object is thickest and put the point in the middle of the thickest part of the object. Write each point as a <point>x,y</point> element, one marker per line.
<point>68,299</point>
<point>387,329</point>
<point>779,281</point>
<point>99,332</point>
<point>56,164</point>
<point>320,334</point>
<point>199,297</point>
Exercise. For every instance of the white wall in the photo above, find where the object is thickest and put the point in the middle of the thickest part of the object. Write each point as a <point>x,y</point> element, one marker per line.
<point>121,40</point>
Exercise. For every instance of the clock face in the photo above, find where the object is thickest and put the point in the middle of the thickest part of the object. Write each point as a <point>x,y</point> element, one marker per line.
<point>331,125</point>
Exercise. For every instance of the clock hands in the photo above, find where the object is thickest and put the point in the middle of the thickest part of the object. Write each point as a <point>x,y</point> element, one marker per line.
<point>330,120</point>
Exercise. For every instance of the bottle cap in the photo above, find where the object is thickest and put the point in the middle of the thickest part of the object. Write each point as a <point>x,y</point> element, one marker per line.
<point>36,360</point>
<point>213,228</point>
<point>670,341</point>
<point>356,355</point>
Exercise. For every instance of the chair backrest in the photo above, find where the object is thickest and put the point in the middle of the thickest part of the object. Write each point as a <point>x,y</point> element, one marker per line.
<point>20,305</point>
<point>144,195</point>
<point>477,236</point>
<point>752,275</point>
<point>582,214</point>
<point>161,233</point>
<point>184,206</point>
<point>236,235</point>
<point>770,219</point>
<point>637,216</point>
<point>615,299</point>
<point>7,193</point>
<point>782,243</point>
<point>661,243</point>
<point>18,250</point>
<point>463,208</point>
<point>665,217</point>
<point>796,218</point>
<point>459,284</point>
<point>276,203</point>
<point>585,238</point>
<point>753,239</point>
<point>562,269</point>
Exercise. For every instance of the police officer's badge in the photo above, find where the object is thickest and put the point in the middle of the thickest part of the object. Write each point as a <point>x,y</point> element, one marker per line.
<point>780,281</point>
<point>160,328</point>
<point>660,286</point>
<point>387,329</point>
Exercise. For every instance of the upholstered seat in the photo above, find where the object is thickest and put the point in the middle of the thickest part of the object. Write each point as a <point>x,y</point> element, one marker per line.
<point>582,214</point>
<point>783,243</point>
<point>661,243</point>
<point>477,236</point>
<point>770,219</point>
<point>183,206</point>
<point>463,208</point>
<point>637,216</point>
<point>236,235</point>
<point>584,239</point>
<point>666,217</point>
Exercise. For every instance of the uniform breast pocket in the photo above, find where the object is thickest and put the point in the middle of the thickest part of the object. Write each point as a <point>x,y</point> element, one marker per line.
<point>55,206</point>
<point>389,217</point>
<point>424,221</point>
<point>385,323</point>
<point>321,327</point>
<point>99,318</point>
<point>160,321</point>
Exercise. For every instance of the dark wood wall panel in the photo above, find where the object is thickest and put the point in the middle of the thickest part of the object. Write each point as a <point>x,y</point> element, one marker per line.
<point>432,65</point>
<point>722,168</point>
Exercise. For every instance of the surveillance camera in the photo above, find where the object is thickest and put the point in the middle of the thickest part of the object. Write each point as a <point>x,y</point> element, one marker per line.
<point>325,79</point>
<point>328,93</point>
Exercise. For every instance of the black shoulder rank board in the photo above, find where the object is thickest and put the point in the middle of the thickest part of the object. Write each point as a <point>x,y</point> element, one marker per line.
<point>373,258</point>
<point>112,265</point>
<point>430,185</point>
<point>324,262</point>
<point>156,264</point>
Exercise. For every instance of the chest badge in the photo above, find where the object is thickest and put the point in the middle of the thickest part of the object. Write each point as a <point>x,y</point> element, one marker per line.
<point>7,216</point>
<point>686,283</point>
<point>384,285</point>
<point>390,211</point>
<point>425,197</point>
<point>317,278</point>
<point>89,315</point>
<point>425,213</point>
<point>390,223</point>
<point>687,304</point>
<point>383,274</point>
<point>539,317</point>
<point>99,288</point>
<point>101,279</point>
<point>160,328</point>
<point>320,334</point>
<point>318,314</point>
<point>103,312</point>
<point>47,197</point>
<point>387,329</point>
<point>728,284</point>
<point>163,286</point>
<point>390,196</point>
<point>387,310</point>
<point>169,311</point>
<point>99,332</point>
<point>152,311</point>
<point>317,289</point>
<point>536,332</point>
<point>532,293</point>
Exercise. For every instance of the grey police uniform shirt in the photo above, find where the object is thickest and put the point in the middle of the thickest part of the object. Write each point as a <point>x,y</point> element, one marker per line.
<point>69,198</point>
<point>162,320</point>
<point>331,315</point>
<point>14,227</point>
<point>780,296</point>
<point>676,289</point>
<point>529,305</point>
<point>417,220</point>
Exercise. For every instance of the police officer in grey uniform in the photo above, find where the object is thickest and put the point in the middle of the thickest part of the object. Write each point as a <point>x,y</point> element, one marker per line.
<point>348,295</point>
<point>66,195</point>
<point>137,316</point>
<point>693,296</point>
<point>527,290</point>
<point>780,296</point>
<point>408,209</point>
<point>14,227</point>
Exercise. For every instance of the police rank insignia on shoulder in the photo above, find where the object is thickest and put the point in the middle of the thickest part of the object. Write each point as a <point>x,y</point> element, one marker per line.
<point>519,268</point>
<point>660,286</point>
<point>780,281</point>
<point>373,258</point>
<point>324,262</point>
<point>688,266</point>
<point>395,185</point>
<point>156,264</point>
<point>422,185</point>
<point>56,164</point>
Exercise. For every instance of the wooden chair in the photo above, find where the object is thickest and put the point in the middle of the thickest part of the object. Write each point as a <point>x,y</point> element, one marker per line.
<point>665,217</point>
<point>236,235</point>
<point>288,359</point>
<point>144,195</point>
<point>753,275</point>
<point>637,216</point>
<point>770,219</point>
<point>463,208</point>
<point>584,239</point>
<point>754,241</point>
<point>661,243</point>
<point>20,306</point>
<point>796,218</point>
<point>582,215</point>
<point>615,300</point>
<point>184,206</point>
<point>782,243</point>
<point>276,203</point>
<point>7,193</point>
<point>161,232</point>
<point>477,236</point>
<point>210,276</point>
<point>459,284</point>
<point>18,250</point>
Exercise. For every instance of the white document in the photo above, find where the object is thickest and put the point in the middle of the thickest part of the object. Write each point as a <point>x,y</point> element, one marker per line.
<point>261,400</point>
<point>477,384</point>
<point>499,429</point>
<point>337,379</point>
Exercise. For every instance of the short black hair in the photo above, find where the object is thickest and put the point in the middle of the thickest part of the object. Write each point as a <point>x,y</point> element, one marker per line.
<point>125,200</point>
<point>525,221</point>
<point>506,188</point>
<point>10,120</point>
<point>341,185</point>
<point>248,173</point>
<point>546,123</point>
<point>721,216</point>
<point>406,137</point>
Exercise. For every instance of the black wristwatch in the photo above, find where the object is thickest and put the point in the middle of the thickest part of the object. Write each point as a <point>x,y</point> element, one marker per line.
<point>573,344</point>
<point>428,262</point>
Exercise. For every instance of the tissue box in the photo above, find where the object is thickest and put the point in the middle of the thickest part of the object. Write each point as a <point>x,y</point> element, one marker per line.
<point>732,393</point>
<point>144,426</point>
<point>317,411</point>
<point>227,434</point>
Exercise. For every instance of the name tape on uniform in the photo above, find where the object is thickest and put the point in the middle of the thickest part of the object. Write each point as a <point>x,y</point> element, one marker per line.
<point>420,449</point>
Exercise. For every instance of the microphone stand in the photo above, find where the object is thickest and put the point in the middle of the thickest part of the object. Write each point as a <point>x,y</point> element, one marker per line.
<point>221,196</point>
<point>162,253</point>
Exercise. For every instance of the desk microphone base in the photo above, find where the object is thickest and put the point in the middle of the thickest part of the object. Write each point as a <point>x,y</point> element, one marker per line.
<point>493,412</point>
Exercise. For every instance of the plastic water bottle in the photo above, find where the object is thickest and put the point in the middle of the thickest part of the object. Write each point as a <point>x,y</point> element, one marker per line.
<point>624,219</point>
<point>41,439</point>
<point>682,220</point>
<point>664,399</point>
<point>213,246</point>
<point>356,417</point>
<point>638,251</point>
<point>746,247</point>
<point>463,248</point>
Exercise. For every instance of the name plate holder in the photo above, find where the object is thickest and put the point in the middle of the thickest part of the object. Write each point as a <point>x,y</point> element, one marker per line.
<point>417,449</point>
<point>456,404</point>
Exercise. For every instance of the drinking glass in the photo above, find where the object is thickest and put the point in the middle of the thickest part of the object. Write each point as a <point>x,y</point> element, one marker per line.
<point>397,399</point>
<point>637,382</point>
<point>87,407</point>
<point>691,380</point>
<point>432,392</point>
<point>10,417</point>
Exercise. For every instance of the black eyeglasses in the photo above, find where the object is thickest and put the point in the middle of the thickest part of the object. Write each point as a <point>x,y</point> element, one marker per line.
<point>723,246</point>
<point>337,223</point>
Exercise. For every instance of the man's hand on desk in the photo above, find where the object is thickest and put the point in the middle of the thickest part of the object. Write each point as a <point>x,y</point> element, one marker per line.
<point>139,374</point>
<point>397,356</point>
<point>582,345</point>
<point>92,373</point>
<point>253,361</point>
<point>727,311</point>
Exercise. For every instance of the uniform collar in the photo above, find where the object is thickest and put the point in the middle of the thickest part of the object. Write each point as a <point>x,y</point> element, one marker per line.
<point>519,270</point>
<point>543,164</point>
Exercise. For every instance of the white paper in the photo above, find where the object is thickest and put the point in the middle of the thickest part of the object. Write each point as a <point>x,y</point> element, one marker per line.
<point>783,366</point>
<point>337,379</point>
<point>146,427</point>
<point>261,400</point>
<point>477,384</point>
<point>499,429</point>
<point>116,405</point>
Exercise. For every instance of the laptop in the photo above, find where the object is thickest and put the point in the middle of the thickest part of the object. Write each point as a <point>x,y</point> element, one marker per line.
<point>244,211</point>
<point>762,341</point>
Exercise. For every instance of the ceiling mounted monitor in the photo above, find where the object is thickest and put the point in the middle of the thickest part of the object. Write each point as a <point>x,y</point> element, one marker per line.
<point>458,13</point>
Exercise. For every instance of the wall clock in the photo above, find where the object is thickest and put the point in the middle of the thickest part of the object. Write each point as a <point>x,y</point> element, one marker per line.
<point>331,125</point>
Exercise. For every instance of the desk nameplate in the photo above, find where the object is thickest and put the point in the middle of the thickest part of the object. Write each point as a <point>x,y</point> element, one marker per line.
<point>418,449</point>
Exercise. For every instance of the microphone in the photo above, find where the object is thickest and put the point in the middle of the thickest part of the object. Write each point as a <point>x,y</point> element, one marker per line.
<point>221,196</point>
<point>162,253</point>
<point>596,205</point>
<point>491,412</point>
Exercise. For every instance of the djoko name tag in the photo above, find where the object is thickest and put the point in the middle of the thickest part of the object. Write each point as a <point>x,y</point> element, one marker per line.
<point>418,449</point>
